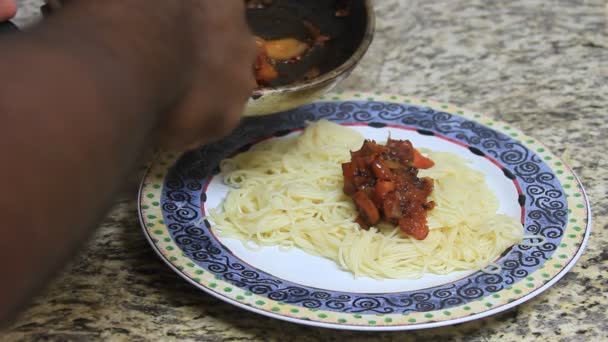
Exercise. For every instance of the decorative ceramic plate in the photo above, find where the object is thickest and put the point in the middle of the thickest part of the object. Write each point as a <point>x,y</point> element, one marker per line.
<point>532,184</point>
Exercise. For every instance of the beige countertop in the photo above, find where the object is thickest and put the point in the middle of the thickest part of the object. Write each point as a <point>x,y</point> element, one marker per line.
<point>542,66</point>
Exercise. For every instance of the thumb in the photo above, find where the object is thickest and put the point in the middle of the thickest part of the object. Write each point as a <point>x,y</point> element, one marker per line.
<point>8,9</point>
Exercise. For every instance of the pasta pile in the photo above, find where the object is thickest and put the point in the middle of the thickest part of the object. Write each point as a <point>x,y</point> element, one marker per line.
<point>288,192</point>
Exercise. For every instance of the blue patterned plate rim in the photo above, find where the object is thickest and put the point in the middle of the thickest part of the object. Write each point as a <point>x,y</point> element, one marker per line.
<point>171,196</point>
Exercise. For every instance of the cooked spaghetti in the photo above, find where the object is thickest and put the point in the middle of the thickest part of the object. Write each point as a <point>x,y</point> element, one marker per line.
<point>288,192</point>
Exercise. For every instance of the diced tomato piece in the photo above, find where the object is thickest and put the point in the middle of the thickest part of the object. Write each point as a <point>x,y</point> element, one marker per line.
<point>415,228</point>
<point>265,72</point>
<point>421,161</point>
<point>348,171</point>
<point>362,223</point>
<point>392,207</point>
<point>381,171</point>
<point>366,207</point>
<point>383,188</point>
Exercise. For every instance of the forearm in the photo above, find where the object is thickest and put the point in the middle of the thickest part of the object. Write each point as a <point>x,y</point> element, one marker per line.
<point>76,113</point>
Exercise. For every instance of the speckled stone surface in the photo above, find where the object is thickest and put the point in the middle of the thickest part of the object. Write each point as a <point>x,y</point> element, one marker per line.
<point>540,65</point>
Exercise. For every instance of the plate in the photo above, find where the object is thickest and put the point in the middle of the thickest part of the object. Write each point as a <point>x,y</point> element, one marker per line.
<point>532,184</point>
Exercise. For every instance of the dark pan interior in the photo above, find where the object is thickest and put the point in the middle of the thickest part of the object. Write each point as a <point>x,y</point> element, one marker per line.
<point>285,18</point>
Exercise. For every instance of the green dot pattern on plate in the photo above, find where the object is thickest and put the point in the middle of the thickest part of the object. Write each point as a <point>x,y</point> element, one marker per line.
<point>529,284</point>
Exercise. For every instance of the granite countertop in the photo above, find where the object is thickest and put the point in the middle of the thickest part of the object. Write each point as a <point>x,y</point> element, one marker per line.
<point>540,65</point>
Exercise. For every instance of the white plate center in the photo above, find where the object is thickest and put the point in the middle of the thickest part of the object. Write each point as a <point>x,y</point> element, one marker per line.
<point>302,268</point>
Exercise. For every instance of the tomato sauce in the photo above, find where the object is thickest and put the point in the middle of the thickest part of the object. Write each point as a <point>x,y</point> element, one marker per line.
<point>384,185</point>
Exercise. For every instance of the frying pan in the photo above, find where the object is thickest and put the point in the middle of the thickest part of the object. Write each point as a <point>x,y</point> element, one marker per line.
<point>350,36</point>
<point>286,19</point>
<point>7,26</point>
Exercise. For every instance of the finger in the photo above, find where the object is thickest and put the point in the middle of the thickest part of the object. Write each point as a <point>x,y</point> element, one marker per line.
<point>189,127</point>
<point>8,9</point>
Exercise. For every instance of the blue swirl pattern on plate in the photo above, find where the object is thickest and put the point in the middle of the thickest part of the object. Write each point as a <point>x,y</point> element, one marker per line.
<point>543,199</point>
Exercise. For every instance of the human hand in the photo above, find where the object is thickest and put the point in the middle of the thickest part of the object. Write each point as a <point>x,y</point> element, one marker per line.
<point>195,56</point>
<point>8,9</point>
<point>222,75</point>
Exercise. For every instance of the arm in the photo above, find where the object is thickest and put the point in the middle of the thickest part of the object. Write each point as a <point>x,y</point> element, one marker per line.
<point>78,106</point>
